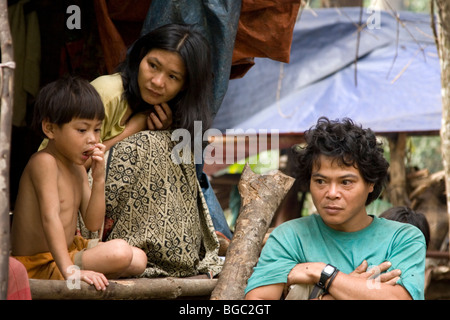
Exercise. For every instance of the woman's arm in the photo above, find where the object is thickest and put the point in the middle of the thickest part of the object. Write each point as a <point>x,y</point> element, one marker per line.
<point>161,120</point>
<point>135,124</point>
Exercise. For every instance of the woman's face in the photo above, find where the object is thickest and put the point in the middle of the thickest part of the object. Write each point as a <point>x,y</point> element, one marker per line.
<point>161,76</point>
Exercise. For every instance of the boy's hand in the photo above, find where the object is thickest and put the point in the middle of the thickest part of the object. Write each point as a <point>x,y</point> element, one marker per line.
<point>97,279</point>
<point>98,162</point>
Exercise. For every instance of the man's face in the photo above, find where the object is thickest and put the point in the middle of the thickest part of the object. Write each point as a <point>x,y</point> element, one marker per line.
<point>339,194</point>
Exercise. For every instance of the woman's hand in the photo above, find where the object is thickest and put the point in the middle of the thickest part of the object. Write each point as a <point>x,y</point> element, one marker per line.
<point>162,120</point>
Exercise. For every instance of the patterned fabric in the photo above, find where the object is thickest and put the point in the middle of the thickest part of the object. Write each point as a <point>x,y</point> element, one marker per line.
<point>157,205</point>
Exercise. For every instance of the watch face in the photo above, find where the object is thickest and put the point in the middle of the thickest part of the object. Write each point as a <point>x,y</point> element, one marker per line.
<point>328,269</point>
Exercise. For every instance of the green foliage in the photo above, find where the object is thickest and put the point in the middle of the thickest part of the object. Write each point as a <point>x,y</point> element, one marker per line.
<point>424,152</point>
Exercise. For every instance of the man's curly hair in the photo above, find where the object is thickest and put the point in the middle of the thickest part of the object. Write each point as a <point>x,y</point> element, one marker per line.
<point>347,143</point>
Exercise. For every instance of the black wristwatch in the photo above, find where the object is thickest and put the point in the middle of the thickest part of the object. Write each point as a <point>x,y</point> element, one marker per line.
<point>327,272</point>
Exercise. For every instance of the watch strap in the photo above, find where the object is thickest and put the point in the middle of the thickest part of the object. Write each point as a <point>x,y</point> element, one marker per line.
<point>315,292</point>
<point>331,280</point>
<point>319,287</point>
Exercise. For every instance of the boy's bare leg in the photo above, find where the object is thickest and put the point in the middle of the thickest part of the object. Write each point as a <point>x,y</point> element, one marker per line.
<point>138,263</point>
<point>115,259</point>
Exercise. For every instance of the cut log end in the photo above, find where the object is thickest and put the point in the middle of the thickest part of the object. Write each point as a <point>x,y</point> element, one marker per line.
<point>261,195</point>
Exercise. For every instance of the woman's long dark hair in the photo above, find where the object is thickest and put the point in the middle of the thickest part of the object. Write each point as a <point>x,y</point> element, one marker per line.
<point>192,103</point>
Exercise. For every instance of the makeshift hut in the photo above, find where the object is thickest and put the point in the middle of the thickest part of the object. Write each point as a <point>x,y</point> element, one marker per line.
<point>382,69</point>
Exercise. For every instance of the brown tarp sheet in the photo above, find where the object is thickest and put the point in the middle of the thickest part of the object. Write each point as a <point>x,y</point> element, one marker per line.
<point>265,30</point>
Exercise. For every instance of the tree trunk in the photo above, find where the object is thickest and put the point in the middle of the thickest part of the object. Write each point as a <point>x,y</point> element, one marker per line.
<point>261,195</point>
<point>6,94</point>
<point>443,9</point>
<point>397,185</point>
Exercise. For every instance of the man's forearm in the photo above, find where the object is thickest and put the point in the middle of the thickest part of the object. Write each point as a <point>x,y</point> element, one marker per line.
<point>346,287</point>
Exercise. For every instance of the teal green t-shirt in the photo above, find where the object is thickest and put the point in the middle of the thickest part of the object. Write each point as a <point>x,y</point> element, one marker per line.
<point>308,239</point>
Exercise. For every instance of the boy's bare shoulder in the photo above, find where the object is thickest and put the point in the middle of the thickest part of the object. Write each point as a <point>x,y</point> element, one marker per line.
<point>40,166</point>
<point>41,160</point>
<point>42,155</point>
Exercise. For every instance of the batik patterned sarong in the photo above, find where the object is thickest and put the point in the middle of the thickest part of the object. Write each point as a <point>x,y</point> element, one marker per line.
<point>157,205</point>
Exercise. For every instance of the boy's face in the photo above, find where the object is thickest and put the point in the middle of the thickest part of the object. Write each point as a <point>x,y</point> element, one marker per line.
<point>339,194</point>
<point>76,139</point>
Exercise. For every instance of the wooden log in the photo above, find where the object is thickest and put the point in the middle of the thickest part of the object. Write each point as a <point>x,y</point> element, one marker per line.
<point>443,46</point>
<point>397,186</point>
<point>126,289</point>
<point>261,195</point>
<point>6,93</point>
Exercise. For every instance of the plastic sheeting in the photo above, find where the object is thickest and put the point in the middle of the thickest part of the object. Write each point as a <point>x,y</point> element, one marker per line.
<point>398,82</point>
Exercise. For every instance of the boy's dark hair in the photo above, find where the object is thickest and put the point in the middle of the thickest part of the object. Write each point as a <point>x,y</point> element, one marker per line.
<point>408,215</point>
<point>64,99</point>
<point>193,102</point>
<point>349,145</point>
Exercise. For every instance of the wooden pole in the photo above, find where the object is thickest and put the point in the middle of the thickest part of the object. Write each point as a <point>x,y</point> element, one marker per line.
<point>261,195</point>
<point>397,193</point>
<point>443,10</point>
<point>129,289</point>
<point>6,80</point>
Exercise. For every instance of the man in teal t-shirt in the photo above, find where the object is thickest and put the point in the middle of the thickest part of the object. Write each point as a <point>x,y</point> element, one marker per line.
<point>344,168</point>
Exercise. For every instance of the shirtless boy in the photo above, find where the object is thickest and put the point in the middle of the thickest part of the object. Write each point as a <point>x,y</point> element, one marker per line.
<point>54,187</point>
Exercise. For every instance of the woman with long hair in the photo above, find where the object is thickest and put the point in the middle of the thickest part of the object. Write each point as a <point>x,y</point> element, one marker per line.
<point>153,203</point>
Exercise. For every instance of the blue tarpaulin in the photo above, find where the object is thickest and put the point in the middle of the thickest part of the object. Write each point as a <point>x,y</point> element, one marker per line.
<point>398,86</point>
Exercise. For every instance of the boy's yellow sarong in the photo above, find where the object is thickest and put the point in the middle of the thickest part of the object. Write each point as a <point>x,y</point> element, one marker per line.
<point>43,266</point>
